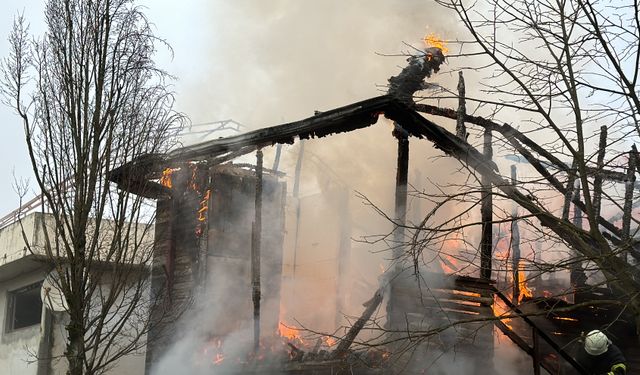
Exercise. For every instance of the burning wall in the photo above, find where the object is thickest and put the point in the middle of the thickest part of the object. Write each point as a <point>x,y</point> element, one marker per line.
<point>202,261</point>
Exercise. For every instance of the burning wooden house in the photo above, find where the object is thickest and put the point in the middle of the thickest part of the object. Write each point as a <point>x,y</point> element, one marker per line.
<point>220,226</point>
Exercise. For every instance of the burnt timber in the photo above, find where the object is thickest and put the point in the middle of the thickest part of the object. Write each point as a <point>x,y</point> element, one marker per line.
<point>137,175</point>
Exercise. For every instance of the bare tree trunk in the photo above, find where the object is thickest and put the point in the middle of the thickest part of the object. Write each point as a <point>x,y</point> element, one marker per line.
<point>75,344</point>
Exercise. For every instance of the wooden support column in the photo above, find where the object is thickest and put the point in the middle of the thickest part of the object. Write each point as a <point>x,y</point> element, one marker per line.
<point>402,173</point>
<point>296,198</point>
<point>486,212</point>
<point>535,355</point>
<point>276,159</point>
<point>597,180</point>
<point>255,252</point>
<point>628,199</point>
<point>577,277</point>
<point>344,255</point>
<point>394,317</point>
<point>569,191</point>
<point>461,130</point>
<point>515,242</point>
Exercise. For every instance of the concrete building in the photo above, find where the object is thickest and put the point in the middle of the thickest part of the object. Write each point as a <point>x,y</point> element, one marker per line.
<point>32,337</point>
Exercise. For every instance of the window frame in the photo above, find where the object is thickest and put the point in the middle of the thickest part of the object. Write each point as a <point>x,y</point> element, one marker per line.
<point>10,321</point>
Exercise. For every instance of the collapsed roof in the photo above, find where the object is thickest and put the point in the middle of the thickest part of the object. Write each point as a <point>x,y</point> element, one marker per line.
<point>136,175</point>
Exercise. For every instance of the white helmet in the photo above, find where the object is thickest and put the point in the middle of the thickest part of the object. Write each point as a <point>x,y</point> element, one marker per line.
<point>596,342</point>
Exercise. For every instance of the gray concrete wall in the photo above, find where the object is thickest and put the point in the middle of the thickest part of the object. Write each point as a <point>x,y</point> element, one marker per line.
<point>18,347</point>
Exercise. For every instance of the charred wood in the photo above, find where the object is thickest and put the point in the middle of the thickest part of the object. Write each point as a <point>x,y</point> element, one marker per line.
<point>461,130</point>
<point>597,181</point>
<point>255,252</point>
<point>411,78</point>
<point>345,343</point>
<point>628,195</point>
<point>486,212</point>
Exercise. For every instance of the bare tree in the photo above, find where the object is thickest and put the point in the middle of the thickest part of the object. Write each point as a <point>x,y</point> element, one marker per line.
<point>566,72</point>
<point>90,98</point>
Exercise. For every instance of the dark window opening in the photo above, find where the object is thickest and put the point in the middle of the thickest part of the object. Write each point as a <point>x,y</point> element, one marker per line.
<point>25,307</point>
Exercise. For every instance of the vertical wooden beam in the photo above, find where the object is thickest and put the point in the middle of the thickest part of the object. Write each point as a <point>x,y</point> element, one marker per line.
<point>276,160</point>
<point>296,197</point>
<point>344,254</point>
<point>515,242</point>
<point>628,198</point>
<point>402,173</point>
<point>569,193</point>
<point>577,277</point>
<point>535,353</point>
<point>597,181</point>
<point>255,252</point>
<point>461,130</point>
<point>486,212</point>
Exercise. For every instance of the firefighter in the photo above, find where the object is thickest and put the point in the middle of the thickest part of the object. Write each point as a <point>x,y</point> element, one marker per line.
<point>600,356</point>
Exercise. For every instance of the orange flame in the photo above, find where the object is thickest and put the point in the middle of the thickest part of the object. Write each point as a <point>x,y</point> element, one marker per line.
<point>204,206</point>
<point>522,283</point>
<point>165,180</point>
<point>192,182</point>
<point>289,332</point>
<point>500,309</point>
<point>431,40</point>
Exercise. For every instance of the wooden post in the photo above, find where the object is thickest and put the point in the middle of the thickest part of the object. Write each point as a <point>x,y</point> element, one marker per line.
<point>569,192</point>
<point>577,277</point>
<point>402,173</point>
<point>535,354</point>
<point>628,199</point>
<point>515,242</point>
<point>344,254</point>
<point>486,212</point>
<point>461,130</point>
<point>255,252</point>
<point>296,197</point>
<point>597,180</point>
<point>276,160</point>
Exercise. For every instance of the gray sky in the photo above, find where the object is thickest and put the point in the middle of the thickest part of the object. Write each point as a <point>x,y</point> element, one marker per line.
<point>260,62</point>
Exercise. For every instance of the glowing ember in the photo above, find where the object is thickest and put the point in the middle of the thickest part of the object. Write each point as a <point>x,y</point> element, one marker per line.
<point>431,40</point>
<point>165,180</point>
<point>565,318</point>
<point>213,351</point>
<point>465,293</point>
<point>329,341</point>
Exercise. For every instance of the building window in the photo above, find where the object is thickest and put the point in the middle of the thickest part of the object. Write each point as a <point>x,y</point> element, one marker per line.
<point>25,307</point>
